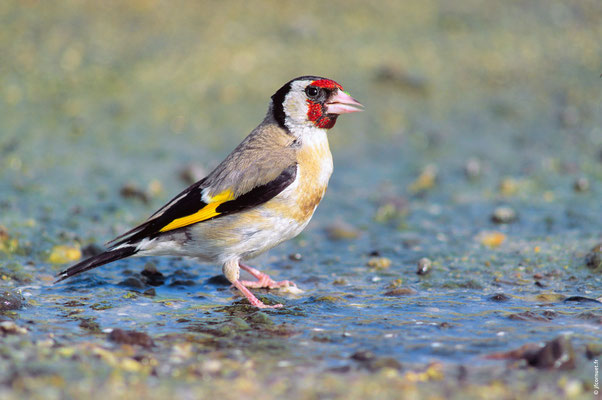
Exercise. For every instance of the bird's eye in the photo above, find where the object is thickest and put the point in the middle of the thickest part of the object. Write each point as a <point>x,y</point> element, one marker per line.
<point>312,91</point>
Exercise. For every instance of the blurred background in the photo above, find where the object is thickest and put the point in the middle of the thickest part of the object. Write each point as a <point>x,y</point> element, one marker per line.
<point>480,148</point>
<point>145,87</point>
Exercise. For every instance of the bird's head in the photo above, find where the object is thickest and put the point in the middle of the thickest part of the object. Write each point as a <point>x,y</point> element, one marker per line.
<point>311,101</point>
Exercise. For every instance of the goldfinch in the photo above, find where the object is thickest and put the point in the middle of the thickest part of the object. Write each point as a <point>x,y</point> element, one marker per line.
<point>263,193</point>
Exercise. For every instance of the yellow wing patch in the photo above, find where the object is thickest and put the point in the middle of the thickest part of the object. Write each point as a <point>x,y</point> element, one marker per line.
<point>203,214</point>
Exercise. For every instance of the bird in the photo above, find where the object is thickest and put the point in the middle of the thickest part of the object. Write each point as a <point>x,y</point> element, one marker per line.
<point>262,194</point>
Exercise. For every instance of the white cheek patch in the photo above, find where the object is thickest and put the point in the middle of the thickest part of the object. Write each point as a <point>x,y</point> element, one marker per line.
<point>295,104</point>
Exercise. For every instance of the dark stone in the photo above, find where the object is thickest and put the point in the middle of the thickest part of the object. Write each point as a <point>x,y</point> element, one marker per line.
<point>424,266</point>
<point>499,297</point>
<point>531,316</point>
<point>90,325</point>
<point>593,259</point>
<point>131,337</point>
<point>403,291</point>
<point>295,257</point>
<point>368,360</point>
<point>363,356</point>
<point>130,191</point>
<point>592,317</point>
<point>581,299</point>
<point>504,215</point>
<point>133,283</point>
<point>593,350</point>
<point>91,250</point>
<point>73,303</point>
<point>10,300</point>
<point>581,184</point>
<point>152,276</point>
<point>218,280</point>
<point>556,354</point>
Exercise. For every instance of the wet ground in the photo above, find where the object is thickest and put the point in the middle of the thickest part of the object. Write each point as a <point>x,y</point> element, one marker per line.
<point>454,256</point>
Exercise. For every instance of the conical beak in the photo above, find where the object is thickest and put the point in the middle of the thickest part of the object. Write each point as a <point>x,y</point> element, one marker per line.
<point>342,103</point>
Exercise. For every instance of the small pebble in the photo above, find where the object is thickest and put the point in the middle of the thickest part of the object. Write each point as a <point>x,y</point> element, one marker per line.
<point>62,254</point>
<point>556,354</point>
<point>371,362</point>
<point>10,300</point>
<point>398,292</point>
<point>363,356</point>
<point>472,168</point>
<point>550,297</point>
<point>384,362</point>
<point>426,180</point>
<point>508,187</point>
<point>491,239</point>
<point>532,316</point>
<point>91,250</point>
<point>392,208</point>
<point>155,188</point>
<point>503,215</point>
<point>581,299</point>
<point>499,297</point>
<point>342,230</point>
<point>593,350</point>
<point>218,280</point>
<point>133,283</point>
<point>424,266</point>
<point>593,259</point>
<point>379,262</point>
<point>340,282</point>
<point>295,257</point>
<point>131,191</point>
<point>581,184</point>
<point>131,337</point>
<point>3,234</point>
<point>395,284</point>
<point>152,275</point>
<point>10,328</point>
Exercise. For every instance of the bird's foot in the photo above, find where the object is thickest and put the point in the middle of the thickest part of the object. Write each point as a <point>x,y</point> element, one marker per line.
<point>263,280</point>
<point>251,297</point>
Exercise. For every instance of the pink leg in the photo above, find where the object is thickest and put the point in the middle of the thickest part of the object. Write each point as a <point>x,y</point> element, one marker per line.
<point>263,280</point>
<point>252,299</point>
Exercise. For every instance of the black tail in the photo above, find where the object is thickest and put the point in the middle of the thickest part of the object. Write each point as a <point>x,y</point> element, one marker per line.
<point>96,261</point>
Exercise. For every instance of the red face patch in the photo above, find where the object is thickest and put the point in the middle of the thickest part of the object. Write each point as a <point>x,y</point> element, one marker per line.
<point>327,84</point>
<point>316,115</point>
